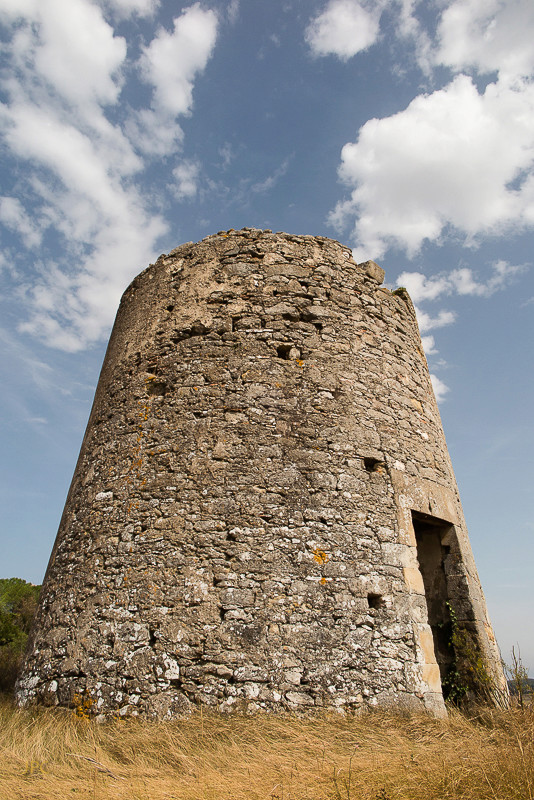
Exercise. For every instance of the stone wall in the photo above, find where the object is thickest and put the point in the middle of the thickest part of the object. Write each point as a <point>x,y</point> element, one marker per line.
<point>263,460</point>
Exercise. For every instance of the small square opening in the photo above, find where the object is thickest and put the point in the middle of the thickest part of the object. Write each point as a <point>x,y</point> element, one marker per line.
<point>283,351</point>
<point>375,600</point>
<point>374,464</point>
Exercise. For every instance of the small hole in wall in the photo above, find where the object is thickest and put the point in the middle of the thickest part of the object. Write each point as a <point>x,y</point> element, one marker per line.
<point>170,308</point>
<point>283,351</point>
<point>157,388</point>
<point>374,465</point>
<point>375,600</point>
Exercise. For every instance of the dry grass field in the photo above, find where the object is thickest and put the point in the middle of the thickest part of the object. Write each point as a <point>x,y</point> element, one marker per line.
<point>51,753</point>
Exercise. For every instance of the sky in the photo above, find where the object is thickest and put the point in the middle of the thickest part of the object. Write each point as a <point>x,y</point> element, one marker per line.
<point>402,128</point>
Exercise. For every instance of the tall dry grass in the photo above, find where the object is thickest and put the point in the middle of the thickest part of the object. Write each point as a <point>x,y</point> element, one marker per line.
<point>51,753</point>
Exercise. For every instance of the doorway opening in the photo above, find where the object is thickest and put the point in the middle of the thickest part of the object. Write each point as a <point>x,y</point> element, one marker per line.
<point>434,538</point>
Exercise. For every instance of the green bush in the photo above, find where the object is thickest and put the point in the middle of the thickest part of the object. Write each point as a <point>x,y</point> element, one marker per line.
<point>18,602</point>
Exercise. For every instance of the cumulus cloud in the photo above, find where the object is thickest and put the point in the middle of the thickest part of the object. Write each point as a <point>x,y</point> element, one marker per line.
<point>489,36</point>
<point>458,160</point>
<point>344,28</point>
<point>172,60</point>
<point>67,46</point>
<point>455,158</point>
<point>170,64</point>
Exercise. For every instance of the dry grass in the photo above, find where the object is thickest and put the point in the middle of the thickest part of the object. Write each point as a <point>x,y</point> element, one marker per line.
<point>49,754</point>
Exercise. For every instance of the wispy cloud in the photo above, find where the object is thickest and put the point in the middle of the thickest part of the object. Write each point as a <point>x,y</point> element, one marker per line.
<point>461,281</point>
<point>440,388</point>
<point>127,8</point>
<point>269,182</point>
<point>14,216</point>
<point>67,75</point>
<point>186,176</point>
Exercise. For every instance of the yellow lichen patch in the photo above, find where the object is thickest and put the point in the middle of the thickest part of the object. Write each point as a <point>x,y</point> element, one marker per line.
<point>320,556</point>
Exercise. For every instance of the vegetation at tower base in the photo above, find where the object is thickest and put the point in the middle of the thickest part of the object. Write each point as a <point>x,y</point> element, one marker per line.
<point>18,602</point>
<point>49,753</point>
<point>263,514</point>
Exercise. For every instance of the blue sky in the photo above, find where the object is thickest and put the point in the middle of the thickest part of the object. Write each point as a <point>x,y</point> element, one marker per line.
<point>404,129</point>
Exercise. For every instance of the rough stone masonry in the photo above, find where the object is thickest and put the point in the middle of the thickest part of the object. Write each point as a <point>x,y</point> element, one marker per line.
<point>263,514</point>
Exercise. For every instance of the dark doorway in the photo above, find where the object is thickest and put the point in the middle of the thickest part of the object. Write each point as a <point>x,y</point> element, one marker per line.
<point>433,537</point>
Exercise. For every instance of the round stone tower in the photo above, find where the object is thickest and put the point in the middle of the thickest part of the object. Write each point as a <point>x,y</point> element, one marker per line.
<point>263,513</point>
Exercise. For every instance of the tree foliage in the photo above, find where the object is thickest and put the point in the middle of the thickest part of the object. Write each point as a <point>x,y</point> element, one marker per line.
<point>18,602</point>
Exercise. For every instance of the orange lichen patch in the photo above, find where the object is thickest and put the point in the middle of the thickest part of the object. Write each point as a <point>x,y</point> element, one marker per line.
<point>320,556</point>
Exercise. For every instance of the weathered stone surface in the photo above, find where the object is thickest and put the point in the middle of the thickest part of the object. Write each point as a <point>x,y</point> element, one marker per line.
<point>263,514</point>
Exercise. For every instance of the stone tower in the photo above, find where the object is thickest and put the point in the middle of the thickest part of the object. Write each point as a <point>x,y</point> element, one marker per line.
<point>263,513</point>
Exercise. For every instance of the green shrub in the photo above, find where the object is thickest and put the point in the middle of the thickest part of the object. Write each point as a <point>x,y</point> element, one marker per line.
<point>18,602</point>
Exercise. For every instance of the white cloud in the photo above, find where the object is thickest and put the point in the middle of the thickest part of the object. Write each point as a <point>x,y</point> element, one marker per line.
<point>429,345</point>
<point>67,71</point>
<point>462,281</point>
<point>14,216</point>
<point>172,60</point>
<point>186,176</point>
<point>344,28</point>
<point>440,388</point>
<point>452,158</point>
<point>125,8</point>
<point>17,9</point>
<point>271,181</point>
<point>170,64</point>
<point>70,48</point>
<point>152,133</point>
<point>232,11</point>
<point>428,323</point>
<point>422,288</point>
<point>70,310</point>
<point>458,160</point>
<point>489,36</point>
<point>38,372</point>
<point>227,154</point>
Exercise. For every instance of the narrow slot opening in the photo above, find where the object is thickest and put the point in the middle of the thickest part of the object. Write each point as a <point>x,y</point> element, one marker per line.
<point>430,533</point>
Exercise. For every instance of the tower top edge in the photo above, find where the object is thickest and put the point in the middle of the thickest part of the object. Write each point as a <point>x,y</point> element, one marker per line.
<point>232,242</point>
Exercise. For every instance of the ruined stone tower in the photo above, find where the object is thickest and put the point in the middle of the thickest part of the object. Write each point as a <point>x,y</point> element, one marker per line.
<point>264,513</point>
